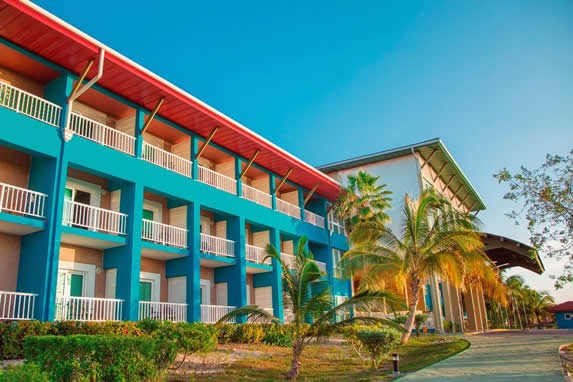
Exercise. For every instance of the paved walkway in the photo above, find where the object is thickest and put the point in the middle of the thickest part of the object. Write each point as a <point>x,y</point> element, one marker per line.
<point>502,356</point>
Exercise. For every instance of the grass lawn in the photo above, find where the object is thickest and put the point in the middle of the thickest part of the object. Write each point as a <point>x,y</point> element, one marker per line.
<point>334,361</point>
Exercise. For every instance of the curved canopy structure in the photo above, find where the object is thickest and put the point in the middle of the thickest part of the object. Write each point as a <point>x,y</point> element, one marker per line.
<point>508,253</point>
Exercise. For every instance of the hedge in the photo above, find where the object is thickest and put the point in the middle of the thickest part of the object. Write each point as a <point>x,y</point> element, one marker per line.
<point>100,357</point>
<point>28,372</point>
<point>270,334</point>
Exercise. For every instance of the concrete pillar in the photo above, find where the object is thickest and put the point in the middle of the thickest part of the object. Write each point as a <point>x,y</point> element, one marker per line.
<point>472,310</point>
<point>277,283</point>
<point>452,302</point>
<point>436,304</point>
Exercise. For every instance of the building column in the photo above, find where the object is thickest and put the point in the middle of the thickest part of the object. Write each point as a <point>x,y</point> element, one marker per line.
<point>127,258</point>
<point>471,307</point>
<point>272,185</point>
<point>139,122</point>
<point>436,303</point>
<point>193,155</point>
<point>277,279</point>
<point>238,169</point>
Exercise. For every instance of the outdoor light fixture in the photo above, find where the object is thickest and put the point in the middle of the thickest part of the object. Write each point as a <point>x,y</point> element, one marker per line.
<point>395,359</point>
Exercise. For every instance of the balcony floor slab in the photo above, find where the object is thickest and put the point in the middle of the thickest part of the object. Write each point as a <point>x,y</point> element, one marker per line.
<point>212,261</point>
<point>90,239</point>
<point>258,268</point>
<point>162,252</point>
<point>20,225</point>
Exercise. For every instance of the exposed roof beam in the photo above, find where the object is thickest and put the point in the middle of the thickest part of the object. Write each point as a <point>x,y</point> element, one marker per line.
<point>449,182</point>
<point>429,159</point>
<point>464,199</point>
<point>284,179</point>
<point>82,78</point>
<point>251,161</point>
<point>207,141</point>
<point>153,113</point>
<point>309,195</point>
<point>458,189</point>
<point>439,173</point>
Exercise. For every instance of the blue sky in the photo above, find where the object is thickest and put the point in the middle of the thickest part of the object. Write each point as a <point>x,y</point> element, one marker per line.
<point>337,79</point>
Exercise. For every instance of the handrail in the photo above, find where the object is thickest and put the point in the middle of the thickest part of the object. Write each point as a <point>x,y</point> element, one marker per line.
<point>17,305</point>
<point>213,313</point>
<point>257,196</point>
<point>94,218</point>
<point>288,208</point>
<point>22,201</point>
<point>314,219</point>
<point>163,233</point>
<point>167,160</point>
<point>88,309</point>
<point>217,180</point>
<point>217,246</point>
<point>29,104</point>
<point>257,255</point>
<point>102,134</point>
<point>162,311</point>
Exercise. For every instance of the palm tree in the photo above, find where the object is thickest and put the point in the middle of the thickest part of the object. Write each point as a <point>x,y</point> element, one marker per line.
<point>538,303</point>
<point>314,316</point>
<point>363,200</point>
<point>435,239</point>
<point>516,291</point>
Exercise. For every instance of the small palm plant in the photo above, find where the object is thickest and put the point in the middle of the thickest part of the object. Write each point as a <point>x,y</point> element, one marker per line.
<point>309,297</point>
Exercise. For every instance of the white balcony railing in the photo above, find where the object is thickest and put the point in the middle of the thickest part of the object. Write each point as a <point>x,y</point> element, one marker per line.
<point>29,104</point>
<point>288,208</point>
<point>94,218</point>
<point>217,180</point>
<point>17,305</point>
<point>162,311</point>
<point>321,265</point>
<point>257,196</point>
<point>166,159</point>
<point>164,234</point>
<point>217,246</point>
<point>22,201</point>
<point>88,309</point>
<point>335,225</point>
<point>102,134</point>
<point>213,313</point>
<point>257,255</point>
<point>288,260</point>
<point>314,219</point>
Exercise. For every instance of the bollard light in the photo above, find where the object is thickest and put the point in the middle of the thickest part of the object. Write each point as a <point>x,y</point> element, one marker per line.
<point>395,359</point>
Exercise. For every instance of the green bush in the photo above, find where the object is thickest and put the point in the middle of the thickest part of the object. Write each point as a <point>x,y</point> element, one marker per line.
<point>278,335</point>
<point>270,334</point>
<point>419,320</point>
<point>448,326</point>
<point>28,372</point>
<point>100,357</point>
<point>377,342</point>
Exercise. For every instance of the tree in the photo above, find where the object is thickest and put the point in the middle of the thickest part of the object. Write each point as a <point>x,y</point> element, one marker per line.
<point>538,302</point>
<point>435,239</point>
<point>363,200</point>
<point>546,195</point>
<point>314,307</point>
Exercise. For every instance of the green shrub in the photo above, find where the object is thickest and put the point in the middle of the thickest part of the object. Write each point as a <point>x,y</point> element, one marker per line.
<point>278,335</point>
<point>13,333</point>
<point>377,342</point>
<point>401,319</point>
<point>270,334</point>
<point>418,322</point>
<point>448,326</point>
<point>100,357</point>
<point>27,372</point>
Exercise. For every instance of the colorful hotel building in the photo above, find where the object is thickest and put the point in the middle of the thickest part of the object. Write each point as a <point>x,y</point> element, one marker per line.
<point>123,197</point>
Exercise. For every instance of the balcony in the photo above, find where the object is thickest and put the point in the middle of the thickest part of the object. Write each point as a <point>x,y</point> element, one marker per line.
<point>288,208</point>
<point>257,196</point>
<point>162,311</point>
<point>314,219</point>
<point>17,305</point>
<point>88,309</point>
<point>217,246</point>
<point>220,181</point>
<point>28,104</point>
<point>210,314</point>
<point>21,201</point>
<point>335,225</point>
<point>94,218</point>
<point>167,160</point>
<point>321,265</point>
<point>257,255</point>
<point>164,234</point>
<point>102,134</point>
<point>288,260</point>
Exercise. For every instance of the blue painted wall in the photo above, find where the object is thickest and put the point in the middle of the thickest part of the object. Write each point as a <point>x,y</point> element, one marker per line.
<point>563,323</point>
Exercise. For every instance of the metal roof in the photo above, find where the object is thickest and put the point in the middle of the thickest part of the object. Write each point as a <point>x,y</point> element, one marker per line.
<point>439,158</point>
<point>31,27</point>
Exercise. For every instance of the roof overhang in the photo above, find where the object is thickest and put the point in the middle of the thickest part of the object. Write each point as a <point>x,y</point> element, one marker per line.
<point>34,29</point>
<point>435,153</point>
<point>508,253</point>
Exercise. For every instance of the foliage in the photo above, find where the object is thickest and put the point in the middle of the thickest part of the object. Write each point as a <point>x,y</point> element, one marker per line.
<point>376,341</point>
<point>270,334</point>
<point>435,239</point>
<point>315,306</point>
<point>100,357</point>
<point>363,200</point>
<point>448,326</point>
<point>546,195</point>
<point>419,320</point>
<point>27,372</point>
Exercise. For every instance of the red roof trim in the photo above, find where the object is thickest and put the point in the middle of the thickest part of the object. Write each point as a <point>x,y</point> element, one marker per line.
<point>566,306</point>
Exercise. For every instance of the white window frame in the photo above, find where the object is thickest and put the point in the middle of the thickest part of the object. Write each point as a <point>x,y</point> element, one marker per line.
<point>206,283</point>
<point>336,256</point>
<point>80,185</point>
<point>568,316</point>
<point>155,280</point>
<point>87,270</point>
<point>156,208</point>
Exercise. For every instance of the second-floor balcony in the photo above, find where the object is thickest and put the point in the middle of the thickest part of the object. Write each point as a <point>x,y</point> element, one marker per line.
<point>29,104</point>
<point>257,196</point>
<point>21,201</point>
<point>257,255</point>
<point>162,311</point>
<point>314,219</point>
<point>163,234</point>
<point>94,218</point>
<point>288,208</point>
<point>217,180</point>
<point>167,160</point>
<point>102,134</point>
<point>217,246</point>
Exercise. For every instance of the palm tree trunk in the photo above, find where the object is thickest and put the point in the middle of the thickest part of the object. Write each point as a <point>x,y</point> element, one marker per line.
<point>413,303</point>
<point>295,362</point>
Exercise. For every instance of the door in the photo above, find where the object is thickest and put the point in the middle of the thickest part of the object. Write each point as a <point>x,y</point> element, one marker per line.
<point>205,298</point>
<point>147,227</point>
<point>145,290</point>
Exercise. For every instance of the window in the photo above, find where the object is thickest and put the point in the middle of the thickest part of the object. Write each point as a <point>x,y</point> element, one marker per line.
<point>336,256</point>
<point>568,316</point>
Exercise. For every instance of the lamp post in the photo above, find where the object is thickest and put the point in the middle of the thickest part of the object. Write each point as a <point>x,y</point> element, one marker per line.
<point>395,360</point>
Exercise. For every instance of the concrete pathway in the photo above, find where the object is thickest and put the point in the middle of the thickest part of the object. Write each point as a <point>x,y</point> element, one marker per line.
<point>502,356</point>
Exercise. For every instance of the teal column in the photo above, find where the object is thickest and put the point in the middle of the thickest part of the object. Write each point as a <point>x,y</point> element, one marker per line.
<point>238,169</point>
<point>272,186</point>
<point>194,149</point>
<point>301,202</point>
<point>40,251</point>
<point>127,258</point>
<point>277,280</point>
<point>139,122</point>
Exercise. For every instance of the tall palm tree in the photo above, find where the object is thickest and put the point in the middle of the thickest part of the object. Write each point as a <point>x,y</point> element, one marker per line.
<point>516,292</point>
<point>363,200</point>
<point>435,239</point>
<point>538,302</point>
<point>313,313</point>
